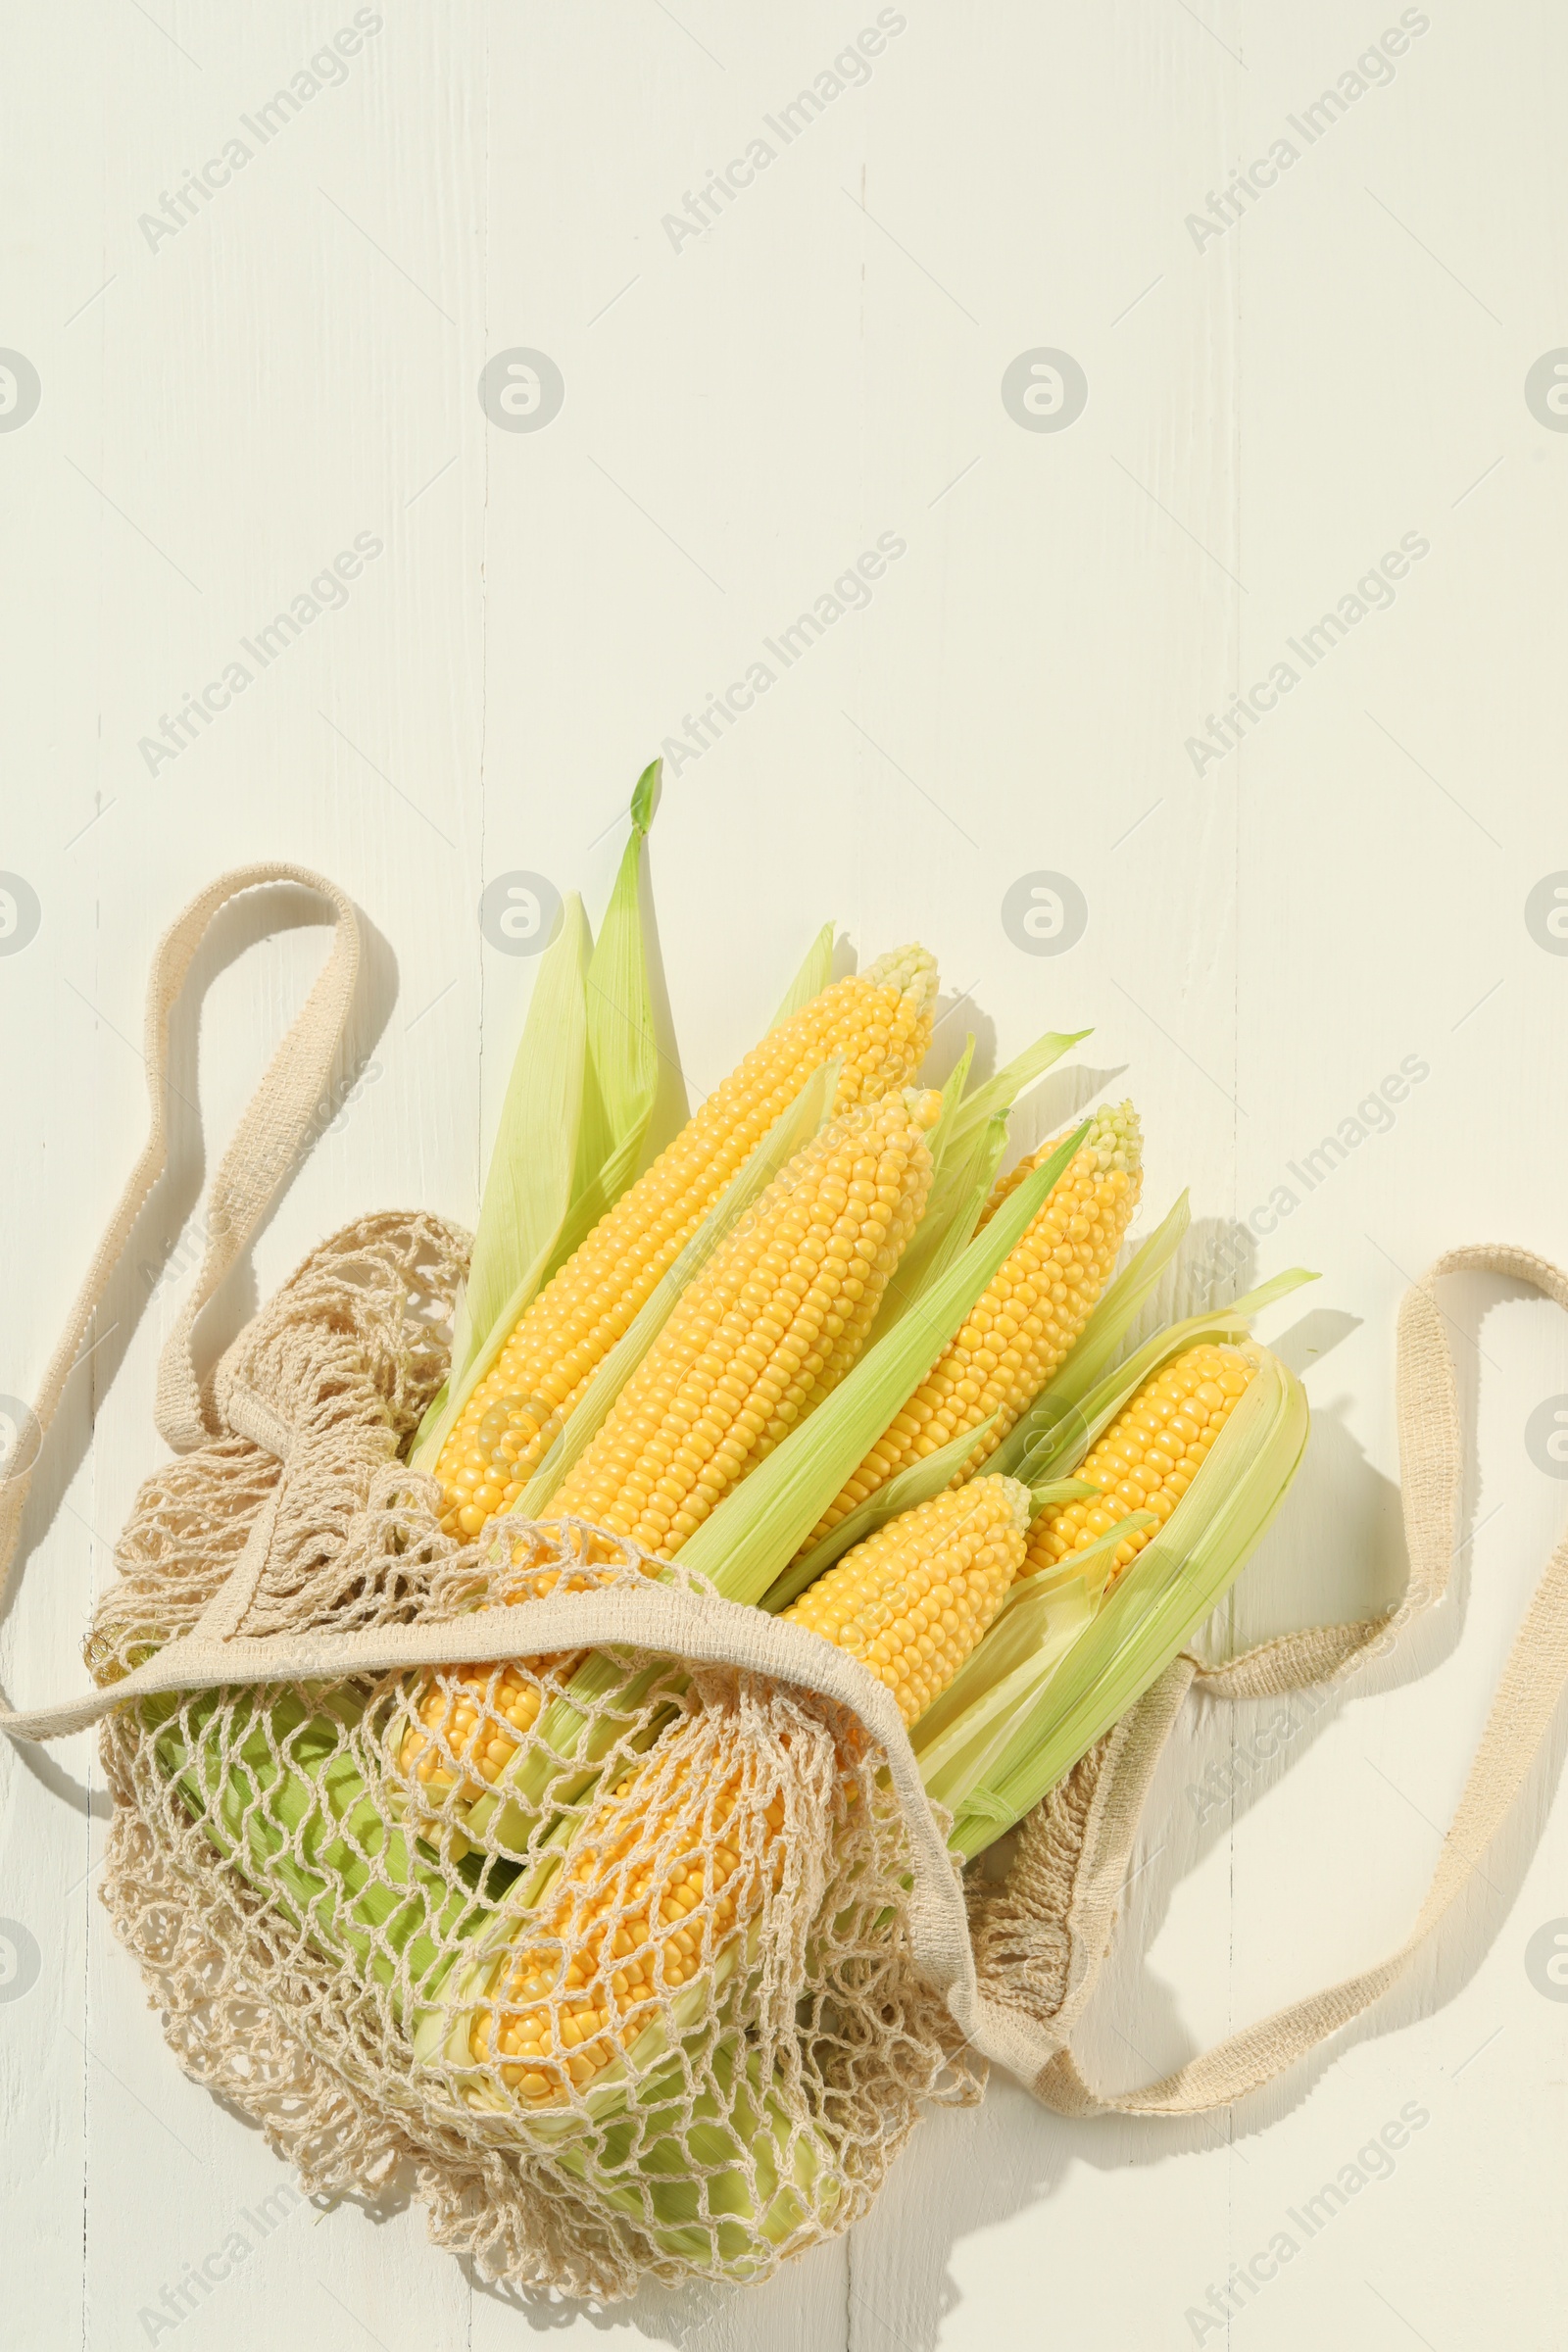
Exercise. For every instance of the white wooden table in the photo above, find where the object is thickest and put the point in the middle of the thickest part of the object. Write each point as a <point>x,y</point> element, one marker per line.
<point>236,383</point>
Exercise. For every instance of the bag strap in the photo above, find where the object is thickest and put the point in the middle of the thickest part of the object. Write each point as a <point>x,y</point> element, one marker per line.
<point>264,1147</point>
<point>1527,1694</point>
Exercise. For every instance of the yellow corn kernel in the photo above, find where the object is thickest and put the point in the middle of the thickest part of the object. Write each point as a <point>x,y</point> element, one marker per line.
<point>765,1332</point>
<point>1019,1331</point>
<point>1148,1458</point>
<point>880,1022</point>
<point>913,1599</point>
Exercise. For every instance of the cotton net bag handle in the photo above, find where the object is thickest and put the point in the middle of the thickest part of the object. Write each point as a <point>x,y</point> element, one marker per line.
<point>264,1145</point>
<point>1527,1694</point>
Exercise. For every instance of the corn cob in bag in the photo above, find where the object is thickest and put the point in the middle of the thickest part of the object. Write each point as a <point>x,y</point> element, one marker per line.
<point>547,1759</point>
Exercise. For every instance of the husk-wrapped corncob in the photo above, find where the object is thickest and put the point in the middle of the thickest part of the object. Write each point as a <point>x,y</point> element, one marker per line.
<point>877,1023</point>
<point>1021,1329</point>
<point>1146,1459</point>
<point>588,1976</point>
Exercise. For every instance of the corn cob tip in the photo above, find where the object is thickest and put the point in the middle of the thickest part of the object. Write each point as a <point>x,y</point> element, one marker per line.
<point>1116,1137</point>
<point>1018,1498</point>
<point>925,1106</point>
<point>912,970</point>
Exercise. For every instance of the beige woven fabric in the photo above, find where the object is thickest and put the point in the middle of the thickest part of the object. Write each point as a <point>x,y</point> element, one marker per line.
<point>264,1145</point>
<point>288,1553</point>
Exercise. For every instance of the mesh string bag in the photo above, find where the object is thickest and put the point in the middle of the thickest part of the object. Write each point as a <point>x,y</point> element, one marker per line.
<point>374,1985</point>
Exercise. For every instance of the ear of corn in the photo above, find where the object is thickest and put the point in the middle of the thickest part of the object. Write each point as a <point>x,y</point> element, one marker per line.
<point>582,1981</point>
<point>763,1334</point>
<point>878,1023</point>
<point>1019,1332</point>
<point>913,1600</point>
<point>1170,1587</point>
<point>632,1922</point>
<point>1053,1436</point>
<point>1146,1459</point>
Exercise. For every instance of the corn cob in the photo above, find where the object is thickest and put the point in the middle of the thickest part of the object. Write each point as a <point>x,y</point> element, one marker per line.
<point>628,1942</point>
<point>1146,1459</point>
<point>765,1332</point>
<point>1023,1327</point>
<point>912,1602</point>
<point>772,1324</point>
<point>878,1021</point>
<point>582,1982</point>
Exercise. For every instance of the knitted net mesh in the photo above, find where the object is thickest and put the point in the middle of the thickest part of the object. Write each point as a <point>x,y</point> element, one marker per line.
<point>640,2003</point>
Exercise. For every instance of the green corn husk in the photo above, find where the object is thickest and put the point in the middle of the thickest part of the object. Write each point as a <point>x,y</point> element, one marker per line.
<point>814,974</point>
<point>527,1193</point>
<point>998,1094</point>
<point>307,1833</point>
<point>622,1074</point>
<point>710,2217</point>
<point>962,1733</point>
<point>576,1110</point>
<point>967,1146</point>
<point>1152,1611</point>
<point>1052,1437</point>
